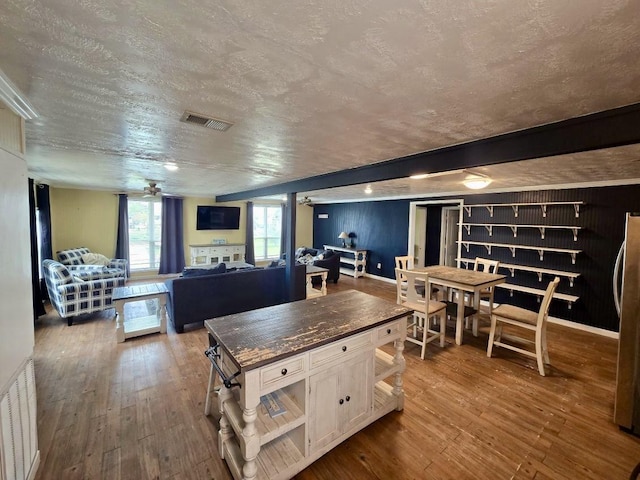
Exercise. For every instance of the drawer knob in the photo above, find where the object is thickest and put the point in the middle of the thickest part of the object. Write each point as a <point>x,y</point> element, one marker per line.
<point>388,331</point>
<point>344,349</point>
<point>348,398</point>
<point>341,401</point>
<point>283,371</point>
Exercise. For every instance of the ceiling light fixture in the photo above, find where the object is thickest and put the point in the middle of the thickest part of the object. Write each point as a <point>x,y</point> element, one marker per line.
<point>172,167</point>
<point>476,181</point>
<point>419,176</point>
<point>368,190</point>
<point>422,176</point>
<point>15,99</point>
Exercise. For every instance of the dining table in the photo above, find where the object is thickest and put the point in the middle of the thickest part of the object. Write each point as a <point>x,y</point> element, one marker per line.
<point>463,281</point>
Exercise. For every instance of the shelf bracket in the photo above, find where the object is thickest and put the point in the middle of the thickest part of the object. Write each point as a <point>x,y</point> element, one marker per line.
<point>539,276</point>
<point>513,251</point>
<point>571,279</point>
<point>573,258</point>
<point>510,292</point>
<point>490,208</point>
<point>541,253</point>
<point>542,229</point>
<point>489,229</point>
<point>568,305</point>
<point>543,206</point>
<point>488,247</point>
<point>576,207</point>
<point>515,210</point>
<point>512,271</point>
<point>514,229</point>
<point>466,245</point>
<point>575,234</point>
<point>468,229</point>
<point>467,209</point>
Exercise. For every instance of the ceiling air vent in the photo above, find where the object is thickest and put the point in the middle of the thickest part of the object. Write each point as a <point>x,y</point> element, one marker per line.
<point>213,123</point>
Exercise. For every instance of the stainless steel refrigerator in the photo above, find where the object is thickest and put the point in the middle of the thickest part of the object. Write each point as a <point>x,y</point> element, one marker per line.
<point>626,287</point>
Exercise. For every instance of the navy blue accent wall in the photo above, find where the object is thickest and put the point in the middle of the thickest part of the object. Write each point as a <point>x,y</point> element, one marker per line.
<point>379,227</point>
<point>382,227</point>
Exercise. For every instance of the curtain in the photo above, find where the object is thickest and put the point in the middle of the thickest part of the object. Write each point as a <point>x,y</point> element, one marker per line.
<point>172,245</point>
<point>38,305</point>
<point>283,230</point>
<point>43,213</point>
<point>122,240</point>
<point>249,256</point>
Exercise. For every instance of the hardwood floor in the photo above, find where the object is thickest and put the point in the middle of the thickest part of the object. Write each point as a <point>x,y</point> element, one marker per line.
<point>135,410</point>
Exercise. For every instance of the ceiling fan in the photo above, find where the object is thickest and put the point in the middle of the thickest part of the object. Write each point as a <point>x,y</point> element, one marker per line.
<point>306,201</point>
<point>152,190</point>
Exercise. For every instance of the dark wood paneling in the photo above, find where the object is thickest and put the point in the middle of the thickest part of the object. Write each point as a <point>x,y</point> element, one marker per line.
<point>602,220</point>
<point>379,227</point>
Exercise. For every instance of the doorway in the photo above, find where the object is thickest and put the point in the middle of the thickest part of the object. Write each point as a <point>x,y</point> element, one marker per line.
<point>434,229</point>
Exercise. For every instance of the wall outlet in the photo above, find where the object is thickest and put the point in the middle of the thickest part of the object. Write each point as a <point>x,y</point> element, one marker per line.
<point>379,266</point>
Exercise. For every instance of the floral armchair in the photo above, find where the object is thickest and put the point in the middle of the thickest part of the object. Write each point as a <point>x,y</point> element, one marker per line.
<point>71,295</point>
<point>77,261</point>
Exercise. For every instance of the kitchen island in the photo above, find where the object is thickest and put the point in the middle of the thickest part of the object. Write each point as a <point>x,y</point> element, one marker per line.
<point>316,364</point>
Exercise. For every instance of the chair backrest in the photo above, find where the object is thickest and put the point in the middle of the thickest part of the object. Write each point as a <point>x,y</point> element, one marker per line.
<point>404,263</point>
<point>408,292</point>
<point>486,265</point>
<point>546,301</point>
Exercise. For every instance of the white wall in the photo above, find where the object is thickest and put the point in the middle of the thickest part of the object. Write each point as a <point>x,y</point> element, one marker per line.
<point>16,312</point>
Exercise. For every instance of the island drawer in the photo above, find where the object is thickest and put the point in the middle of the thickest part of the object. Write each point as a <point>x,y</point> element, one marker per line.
<point>340,349</point>
<point>387,332</point>
<point>284,372</point>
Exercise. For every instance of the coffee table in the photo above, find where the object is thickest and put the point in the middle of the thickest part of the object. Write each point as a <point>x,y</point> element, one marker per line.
<point>154,322</point>
<point>313,271</point>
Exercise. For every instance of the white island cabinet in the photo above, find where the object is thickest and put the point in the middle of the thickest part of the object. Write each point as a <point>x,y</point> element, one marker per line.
<point>331,382</point>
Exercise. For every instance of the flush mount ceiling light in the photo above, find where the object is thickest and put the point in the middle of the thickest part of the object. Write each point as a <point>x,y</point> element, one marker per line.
<point>368,190</point>
<point>476,181</point>
<point>419,176</point>
<point>172,167</point>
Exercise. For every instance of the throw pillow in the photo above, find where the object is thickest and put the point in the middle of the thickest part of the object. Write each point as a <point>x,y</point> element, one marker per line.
<point>95,259</point>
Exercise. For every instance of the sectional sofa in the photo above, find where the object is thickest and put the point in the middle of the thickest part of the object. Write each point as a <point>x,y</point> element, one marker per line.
<point>211,293</point>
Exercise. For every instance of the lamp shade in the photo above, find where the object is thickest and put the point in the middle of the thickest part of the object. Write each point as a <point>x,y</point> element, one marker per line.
<point>343,235</point>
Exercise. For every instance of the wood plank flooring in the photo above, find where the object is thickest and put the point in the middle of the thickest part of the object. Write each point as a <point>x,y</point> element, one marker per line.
<point>135,410</point>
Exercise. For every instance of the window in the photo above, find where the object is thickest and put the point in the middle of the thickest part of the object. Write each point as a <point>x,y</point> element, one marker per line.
<point>145,217</point>
<point>267,221</point>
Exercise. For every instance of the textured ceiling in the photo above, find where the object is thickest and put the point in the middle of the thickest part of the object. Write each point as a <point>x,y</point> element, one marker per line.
<point>311,87</point>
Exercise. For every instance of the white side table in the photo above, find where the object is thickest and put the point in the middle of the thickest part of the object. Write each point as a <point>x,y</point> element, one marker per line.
<point>144,324</point>
<point>313,271</point>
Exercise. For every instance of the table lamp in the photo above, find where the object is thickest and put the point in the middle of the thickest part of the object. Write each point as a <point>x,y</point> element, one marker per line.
<point>343,236</point>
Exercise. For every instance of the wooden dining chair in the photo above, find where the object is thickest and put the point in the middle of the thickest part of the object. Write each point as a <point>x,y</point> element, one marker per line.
<point>424,309</point>
<point>524,319</point>
<point>488,266</point>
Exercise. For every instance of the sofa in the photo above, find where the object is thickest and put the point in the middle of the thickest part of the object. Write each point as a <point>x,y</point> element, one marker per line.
<point>71,295</point>
<point>215,292</point>
<point>84,264</point>
<point>320,258</point>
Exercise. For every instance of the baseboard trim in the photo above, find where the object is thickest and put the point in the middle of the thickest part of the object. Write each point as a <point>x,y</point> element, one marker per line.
<point>559,321</point>
<point>34,466</point>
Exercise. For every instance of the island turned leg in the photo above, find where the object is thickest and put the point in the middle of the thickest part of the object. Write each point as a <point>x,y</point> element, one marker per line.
<point>225,431</point>
<point>252,443</point>
<point>398,359</point>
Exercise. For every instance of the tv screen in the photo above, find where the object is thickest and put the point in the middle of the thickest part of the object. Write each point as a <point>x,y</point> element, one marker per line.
<point>212,217</point>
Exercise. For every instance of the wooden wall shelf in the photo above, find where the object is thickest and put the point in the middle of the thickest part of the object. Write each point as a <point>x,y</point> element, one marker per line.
<point>515,206</point>
<point>570,299</point>
<point>513,248</point>
<point>514,228</point>
<point>526,268</point>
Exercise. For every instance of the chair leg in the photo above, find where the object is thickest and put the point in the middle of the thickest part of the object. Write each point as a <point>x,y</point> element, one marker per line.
<point>425,329</point>
<point>539,353</point>
<point>443,326</point>
<point>492,335</point>
<point>545,350</point>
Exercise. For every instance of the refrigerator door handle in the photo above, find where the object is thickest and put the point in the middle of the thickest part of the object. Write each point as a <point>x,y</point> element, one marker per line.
<point>616,276</point>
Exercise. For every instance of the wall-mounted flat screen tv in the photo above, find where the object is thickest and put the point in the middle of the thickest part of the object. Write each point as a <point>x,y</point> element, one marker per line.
<point>212,217</point>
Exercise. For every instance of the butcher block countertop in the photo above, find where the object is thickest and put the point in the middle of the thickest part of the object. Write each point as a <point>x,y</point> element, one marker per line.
<point>259,337</point>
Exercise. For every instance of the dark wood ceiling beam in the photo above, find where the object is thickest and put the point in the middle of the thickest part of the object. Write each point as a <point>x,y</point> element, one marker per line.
<point>607,129</point>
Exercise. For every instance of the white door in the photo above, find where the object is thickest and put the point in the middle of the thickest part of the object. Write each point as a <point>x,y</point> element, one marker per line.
<point>355,389</point>
<point>449,237</point>
<point>324,412</point>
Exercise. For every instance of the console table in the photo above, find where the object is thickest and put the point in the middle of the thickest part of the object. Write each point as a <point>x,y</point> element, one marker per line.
<point>135,326</point>
<point>355,257</point>
<point>331,381</point>
<point>208,254</point>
